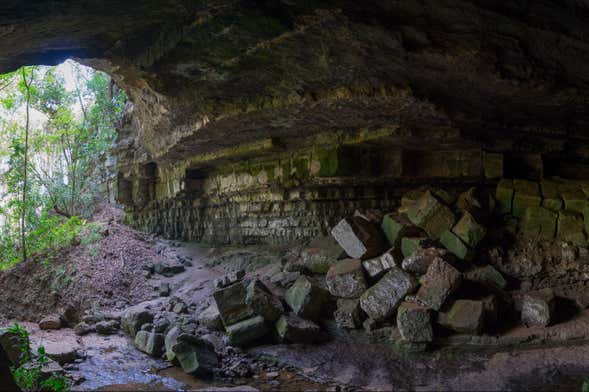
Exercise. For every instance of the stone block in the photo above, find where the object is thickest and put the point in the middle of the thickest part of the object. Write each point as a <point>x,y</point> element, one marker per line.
<point>419,261</point>
<point>307,299</point>
<point>455,246</point>
<point>550,195</point>
<point>346,279</point>
<point>539,222</point>
<point>151,343</point>
<point>359,238</point>
<point>479,203</point>
<point>570,228</point>
<point>431,215</point>
<point>440,281</point>
<point>493,165</point>
<point>381,300</point>
<point>504,196</point>
<point>415,322</point>
<point>464,316</point>
<point>574,199</point>
<point>211,318</point>
<point>263,302</point>
<point>397,226</point>
<point>195,355</point>
<point>469,231</point>
<point>294,329</point>
<point>487,276</point>
<point>377,267</point>
<point>527,194</point>
<point>320,255</point>
<point>247,331</point>
<point>231,304</point>
<point>538,308</point>
<point>410,245</point>
<point>134,317</point>
<point>348,313</point>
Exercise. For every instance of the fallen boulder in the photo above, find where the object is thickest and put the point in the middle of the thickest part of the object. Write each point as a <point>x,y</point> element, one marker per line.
<point>456,246</point>
<point>307,299</point>
<point>396,226</point>
<point>348,313</point>
<point>134,317</point>
<point>346,279</point>
<point>294,329</point>
<point>151,343</point>
<point>431,215</point>
<point>419,261</point>
<point>439,282</point>
<point>263,302</point>
<point>415,322</point>
<point>464,316</point>
<point>247,331</point>
<point>381,300</point>
<point>211,318</point>
<point>359,238</point>
<point>469,231</point>
<point>410,245</point>
<point>375,268</point>
<point>195,355</point>
<point>319,256</point>
<point>231,304</point>
<point>538,308</point>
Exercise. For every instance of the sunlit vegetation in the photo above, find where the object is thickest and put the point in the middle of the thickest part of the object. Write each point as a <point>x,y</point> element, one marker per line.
<point>57,125</point>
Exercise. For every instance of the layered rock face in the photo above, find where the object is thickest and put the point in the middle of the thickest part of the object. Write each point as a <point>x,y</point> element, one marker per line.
<point>266,121</point>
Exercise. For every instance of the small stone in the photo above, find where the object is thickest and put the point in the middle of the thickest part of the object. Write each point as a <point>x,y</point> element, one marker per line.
<point>346,279</point>
<point>397,226</point>
<point>359,238</point>
<point>419,261</point>
<point>538,308</point>
<point>263,302</point>
<point>348,314</point>
<point>107,327</point>
<point>164,289</point>
<point>440,281</point>
<point>455,246</point>
<point>294,329</point>
<point>179,308</point>
<point>247,331</point>
<point>377,267</point>
<point>231,304</point>
<point>381,300</point>
<point>469,231</point>
<point>465,316</point>
<point>414,322</point>
<point>50,322</point>
<point>431,215</point>
<point>83,328</point>
<point>169,268</point>
<point>306,299</point>
<point>487,276</point>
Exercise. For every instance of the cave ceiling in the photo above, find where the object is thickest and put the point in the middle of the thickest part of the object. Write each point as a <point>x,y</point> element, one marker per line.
<point>211,75</point>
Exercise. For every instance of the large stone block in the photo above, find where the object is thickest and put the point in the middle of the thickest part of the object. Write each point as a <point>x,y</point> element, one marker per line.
<point>410,245</point>
<point>231,302</point>
<point>294,329</point>
<point>464,316</point>
<point>263,302</point>
<point>550,195</point>
<point>570,228</point>
<point>415,322</point>
<point>377,267</point>
<point>504,196</point>
<point>151,343</point>
<point>307,299</point>
<point>574,199</point>
<point>381,300</point>
<point>538,308</point>
<point>320,255</point>
<point>247,331</point>
<point>419,262</point>
<point>431,215</point>
<point>195,355</point>
<point>469,231</point>
<point>493,165</point>
<point>359,238</point>
<point>440,281</point>
<point>211,318</point>
<point>539,222</point>
<point>348,313</point>
<point>527,194</point>
<point>396,226</point>
<point>455,246</point>
<point>134,317</point>
<point>346,279</point>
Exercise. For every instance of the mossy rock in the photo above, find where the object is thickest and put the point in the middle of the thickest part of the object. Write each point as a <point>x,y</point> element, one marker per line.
<point>570,228</point>
<point>539,222</point>
<point>456,246</point>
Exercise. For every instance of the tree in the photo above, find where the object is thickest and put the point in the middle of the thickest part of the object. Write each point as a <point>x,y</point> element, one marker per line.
<point>27,86</point>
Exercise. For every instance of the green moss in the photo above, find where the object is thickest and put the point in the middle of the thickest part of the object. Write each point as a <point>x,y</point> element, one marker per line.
<point>328,162</point>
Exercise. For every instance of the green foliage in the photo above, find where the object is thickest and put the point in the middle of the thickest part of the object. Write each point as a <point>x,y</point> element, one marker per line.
<point>29,376</point>
<point>67,157</point>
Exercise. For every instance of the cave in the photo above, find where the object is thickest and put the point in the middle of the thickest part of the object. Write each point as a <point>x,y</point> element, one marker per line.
<point>276,124</point>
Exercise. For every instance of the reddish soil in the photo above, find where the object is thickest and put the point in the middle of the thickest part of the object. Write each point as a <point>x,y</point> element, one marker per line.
<point>103,274</point>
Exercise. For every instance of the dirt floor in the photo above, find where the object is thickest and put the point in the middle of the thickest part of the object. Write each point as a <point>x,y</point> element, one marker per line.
<point>111,277</point>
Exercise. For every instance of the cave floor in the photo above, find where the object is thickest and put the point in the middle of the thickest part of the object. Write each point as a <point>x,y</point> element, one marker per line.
<point>553,358</point>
